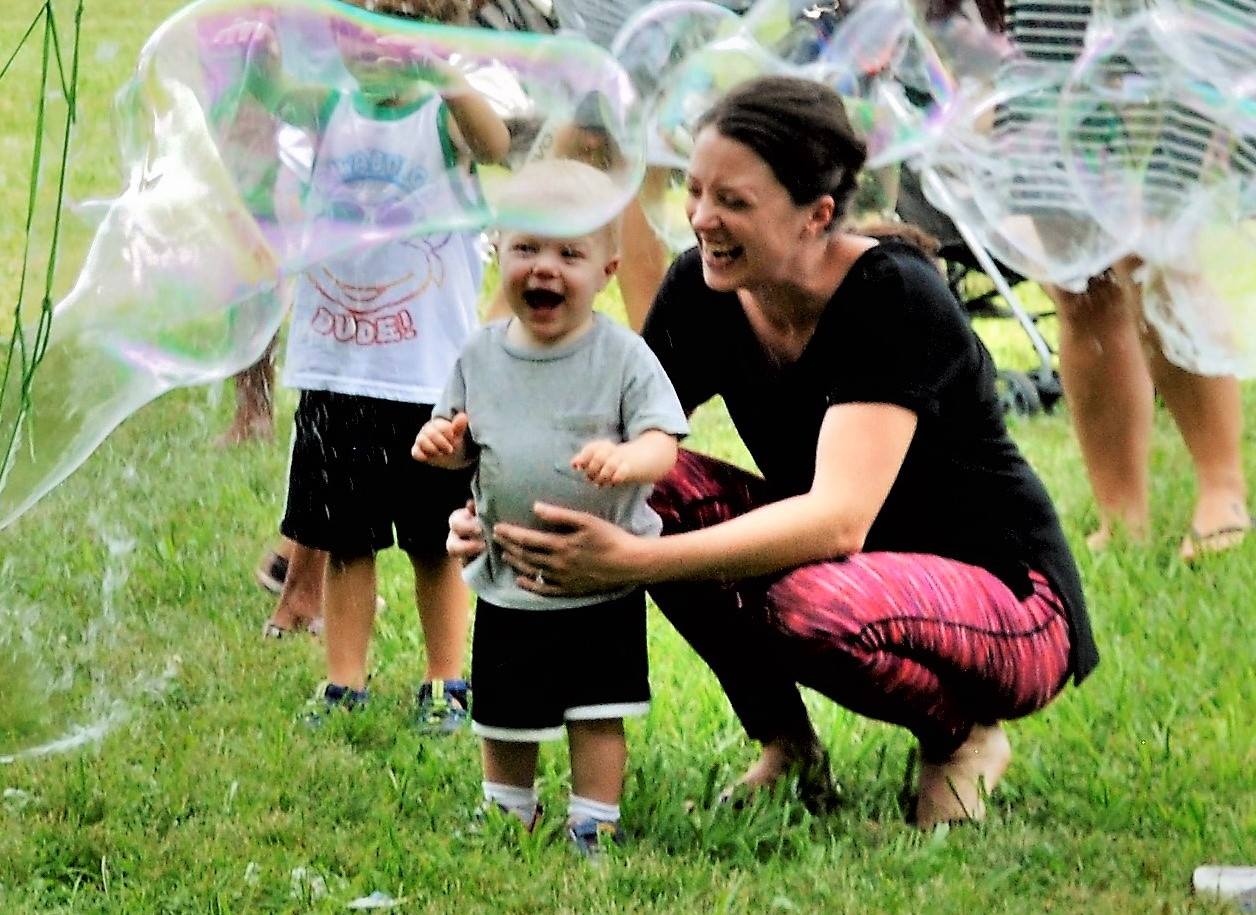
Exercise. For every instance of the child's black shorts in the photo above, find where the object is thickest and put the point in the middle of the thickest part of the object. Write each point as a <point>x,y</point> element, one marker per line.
<point>534,670</point>
<point>352,479</point>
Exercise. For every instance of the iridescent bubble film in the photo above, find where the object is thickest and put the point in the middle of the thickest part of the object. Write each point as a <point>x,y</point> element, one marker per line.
<point>224,132</point>
<point>1059,147</point>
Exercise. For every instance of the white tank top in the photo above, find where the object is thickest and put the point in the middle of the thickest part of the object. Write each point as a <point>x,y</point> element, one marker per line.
<point>388,321</point>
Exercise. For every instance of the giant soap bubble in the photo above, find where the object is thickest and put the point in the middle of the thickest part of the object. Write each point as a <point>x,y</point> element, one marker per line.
<point>1130,137</point>
<point>223,131</point>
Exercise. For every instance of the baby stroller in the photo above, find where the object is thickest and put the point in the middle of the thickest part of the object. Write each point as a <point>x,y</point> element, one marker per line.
<point>1025,393</point>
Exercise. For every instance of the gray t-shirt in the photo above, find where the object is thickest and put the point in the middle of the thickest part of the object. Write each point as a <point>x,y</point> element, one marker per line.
<point>530,411</point>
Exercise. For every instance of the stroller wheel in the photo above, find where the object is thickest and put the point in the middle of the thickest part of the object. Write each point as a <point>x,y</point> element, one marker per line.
<point>1018,394</point>
<point>1046,381</point>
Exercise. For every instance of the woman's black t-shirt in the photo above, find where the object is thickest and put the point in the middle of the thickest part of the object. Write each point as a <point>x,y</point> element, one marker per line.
<point>892,333</point>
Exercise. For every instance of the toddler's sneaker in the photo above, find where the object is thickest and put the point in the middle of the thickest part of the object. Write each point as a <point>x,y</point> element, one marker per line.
<point>442,706</point>
<point>590,837</point>
<point>492,810</point>
<point>329,698</point>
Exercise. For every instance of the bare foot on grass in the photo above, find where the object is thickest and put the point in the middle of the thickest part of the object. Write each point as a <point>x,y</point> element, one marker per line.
<point>957,789</point>
<point>1110,532</point>
<point>807,760</point>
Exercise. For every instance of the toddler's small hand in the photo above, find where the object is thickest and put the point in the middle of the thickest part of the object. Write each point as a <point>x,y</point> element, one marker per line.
<point>440,438</point>
<point>602,462</point>
<point>418,61</point>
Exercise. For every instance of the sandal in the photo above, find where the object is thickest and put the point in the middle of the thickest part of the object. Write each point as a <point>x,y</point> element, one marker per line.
<point>1197,545</point>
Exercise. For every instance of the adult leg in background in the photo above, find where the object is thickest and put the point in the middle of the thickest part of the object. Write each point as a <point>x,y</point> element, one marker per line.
<point>1208,412</point>
<point>300,605</point>
<point>1110,396</point>
<point>1111,365</point>
<point>254,418</point>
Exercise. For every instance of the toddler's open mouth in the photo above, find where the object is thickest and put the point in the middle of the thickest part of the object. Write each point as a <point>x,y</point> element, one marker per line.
<point>542,299</point>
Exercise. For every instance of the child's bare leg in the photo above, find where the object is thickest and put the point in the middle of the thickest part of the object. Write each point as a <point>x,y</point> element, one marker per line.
<point>510,776</point>
<point>444,608</point>
<point>598,757</point>
<point>300,603</point>
<point>348,615</point>
<point>509,762</point>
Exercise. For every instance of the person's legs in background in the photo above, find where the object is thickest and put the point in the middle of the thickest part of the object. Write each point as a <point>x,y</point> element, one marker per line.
<point>254,418</point>
<point>300,605</point>
<point>1208,412</point>
<point>644,261</point>
<point>1110,396</point>
<point>1111,366</point>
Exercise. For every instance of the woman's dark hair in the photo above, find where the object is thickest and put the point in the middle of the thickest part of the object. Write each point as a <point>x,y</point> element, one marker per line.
<point>800,129</point>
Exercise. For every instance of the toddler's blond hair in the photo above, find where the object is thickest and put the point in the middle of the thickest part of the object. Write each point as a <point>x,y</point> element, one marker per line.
<point>567,185</point>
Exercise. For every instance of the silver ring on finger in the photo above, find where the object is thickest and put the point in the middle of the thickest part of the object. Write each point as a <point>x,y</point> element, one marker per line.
<point>539,578</point>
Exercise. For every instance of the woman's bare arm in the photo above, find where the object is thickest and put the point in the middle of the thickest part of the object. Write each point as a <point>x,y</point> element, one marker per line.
<point>860,451</point>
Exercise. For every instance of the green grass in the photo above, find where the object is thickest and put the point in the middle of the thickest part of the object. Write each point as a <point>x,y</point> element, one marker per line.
<point>126,596</point>
<point>209,794</point>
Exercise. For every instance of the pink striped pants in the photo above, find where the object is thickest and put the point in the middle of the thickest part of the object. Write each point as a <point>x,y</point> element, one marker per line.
<point>931,644</point>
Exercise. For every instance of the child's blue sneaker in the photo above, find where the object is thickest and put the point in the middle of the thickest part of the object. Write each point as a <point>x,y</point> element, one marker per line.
<point>591,837</point>
<point>329,698</point>
<point>442,706</point>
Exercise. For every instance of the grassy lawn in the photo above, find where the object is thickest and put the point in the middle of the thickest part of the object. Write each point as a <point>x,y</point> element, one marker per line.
<point>126,600</point>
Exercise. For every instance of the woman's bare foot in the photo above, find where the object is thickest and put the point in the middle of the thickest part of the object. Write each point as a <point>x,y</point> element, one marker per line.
<point>785,757</point>
<point>957,789</point>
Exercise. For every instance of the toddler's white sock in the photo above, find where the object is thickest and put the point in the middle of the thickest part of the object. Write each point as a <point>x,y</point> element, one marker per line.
<point>519,802</point>
<point>583,808</point>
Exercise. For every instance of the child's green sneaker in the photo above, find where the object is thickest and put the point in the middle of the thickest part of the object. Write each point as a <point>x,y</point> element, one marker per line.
<point>442,706</point>
<point>329,698</point>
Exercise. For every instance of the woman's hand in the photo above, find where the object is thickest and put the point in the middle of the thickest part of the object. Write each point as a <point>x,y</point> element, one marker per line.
<point>466,537</point>
<point>588,555</point>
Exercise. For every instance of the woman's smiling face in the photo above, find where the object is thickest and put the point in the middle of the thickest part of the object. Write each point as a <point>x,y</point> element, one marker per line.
<point>748,228</point>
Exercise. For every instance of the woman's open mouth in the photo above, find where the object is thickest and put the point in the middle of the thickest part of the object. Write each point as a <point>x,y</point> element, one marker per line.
<point>721,255</point>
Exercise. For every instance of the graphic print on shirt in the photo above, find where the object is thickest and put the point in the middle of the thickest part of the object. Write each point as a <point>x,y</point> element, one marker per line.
<point>382,310</point>
<point>372,189</point>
